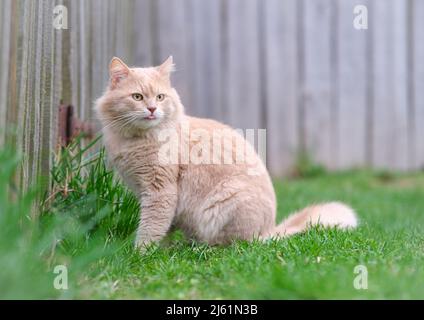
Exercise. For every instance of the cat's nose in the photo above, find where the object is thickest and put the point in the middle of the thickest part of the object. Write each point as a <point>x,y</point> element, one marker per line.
<point>151,109</point>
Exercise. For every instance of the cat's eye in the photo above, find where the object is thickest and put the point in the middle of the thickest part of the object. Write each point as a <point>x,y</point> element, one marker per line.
<point>160,97</point>
<point>137,96</point>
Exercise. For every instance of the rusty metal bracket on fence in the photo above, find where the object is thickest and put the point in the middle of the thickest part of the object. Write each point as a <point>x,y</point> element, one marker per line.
<point>70,126</point>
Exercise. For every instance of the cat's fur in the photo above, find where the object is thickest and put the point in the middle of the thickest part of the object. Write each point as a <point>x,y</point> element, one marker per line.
<point>212,203</point>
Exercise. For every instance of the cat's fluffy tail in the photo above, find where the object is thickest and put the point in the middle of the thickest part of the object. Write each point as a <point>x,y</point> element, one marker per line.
<point>331,214</point>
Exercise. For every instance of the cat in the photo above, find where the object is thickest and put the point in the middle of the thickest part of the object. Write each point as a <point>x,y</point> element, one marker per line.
<point>214,203</point>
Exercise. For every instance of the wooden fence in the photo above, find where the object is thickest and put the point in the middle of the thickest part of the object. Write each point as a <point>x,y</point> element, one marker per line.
<point>298,68</point>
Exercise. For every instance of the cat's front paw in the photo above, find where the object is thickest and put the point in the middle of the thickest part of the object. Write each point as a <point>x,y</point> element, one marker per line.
<point>146,248</point>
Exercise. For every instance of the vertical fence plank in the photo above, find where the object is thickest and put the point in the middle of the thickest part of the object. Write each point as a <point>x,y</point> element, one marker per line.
<point>142,33</point>
<point>11,72</point>
<point>4,61</point>
<point>99,74</point>
<point>418,81</point>
<point>204,23</point>
<point>56,80</point>
<point>244,105</point>
<point>30,100</point>
<point>65,76</point>
<point>111,13</point>
<point>83,64</point>
<point>46,92</point>
<point>124,43</point>
<point>74,53</point>
<point>352,79</point>
<point>24,33</point>
<point>319,120</point>
<point>400,77</point>
<point>35,95</point>
<point>13,112</point>
<point>390,131</point>
<point>172,40</point>
<point>5,23</point>
<point>281,84</point>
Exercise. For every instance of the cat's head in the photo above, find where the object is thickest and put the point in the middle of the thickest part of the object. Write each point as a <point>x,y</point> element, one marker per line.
<point>138,99</point>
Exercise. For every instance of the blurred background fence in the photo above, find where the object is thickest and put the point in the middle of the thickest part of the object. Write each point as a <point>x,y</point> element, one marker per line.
<point>347,97</point>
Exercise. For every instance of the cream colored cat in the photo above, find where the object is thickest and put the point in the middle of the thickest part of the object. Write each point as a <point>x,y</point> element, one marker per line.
<point>212,201</point>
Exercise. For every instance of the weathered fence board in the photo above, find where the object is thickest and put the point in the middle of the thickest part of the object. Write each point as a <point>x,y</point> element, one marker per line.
<point>244,104</point>
<point>390,144</point>
<point>206,91</point>
<point>28,90</point>
<point>296,68</point>
<point>143,31</point>
<point>417,82</point>
<point>172,38</point>
<point>5,10</point>
<point>319,117</point>
<point>352,81</point>
<point>281,88</point>
<point>46,94</point>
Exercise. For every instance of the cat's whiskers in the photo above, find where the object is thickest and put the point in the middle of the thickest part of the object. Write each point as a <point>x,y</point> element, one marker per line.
<point>117,121</point>
<point>128,120</point>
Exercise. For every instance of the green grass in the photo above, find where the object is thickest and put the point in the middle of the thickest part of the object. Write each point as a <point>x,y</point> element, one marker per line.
<point>89,219</point>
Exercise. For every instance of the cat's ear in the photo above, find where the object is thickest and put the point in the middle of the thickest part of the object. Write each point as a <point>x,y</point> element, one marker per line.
<point>118,71</point>
<point>166,67</point>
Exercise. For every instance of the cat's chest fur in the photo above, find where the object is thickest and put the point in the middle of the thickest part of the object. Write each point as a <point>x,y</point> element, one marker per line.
<point>136,161</point>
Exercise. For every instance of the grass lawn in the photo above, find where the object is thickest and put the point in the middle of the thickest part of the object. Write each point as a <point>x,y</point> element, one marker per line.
<point>316,265</point>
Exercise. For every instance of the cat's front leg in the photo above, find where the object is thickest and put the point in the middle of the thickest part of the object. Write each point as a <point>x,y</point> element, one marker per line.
<point>157,212</point>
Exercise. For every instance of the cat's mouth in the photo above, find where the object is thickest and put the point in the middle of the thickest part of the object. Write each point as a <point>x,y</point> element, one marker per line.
<point>151,117</point>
